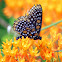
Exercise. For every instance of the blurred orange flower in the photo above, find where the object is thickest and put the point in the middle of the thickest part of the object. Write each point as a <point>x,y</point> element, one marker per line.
<point>27,49</point>
<point>51,9</point>
<point>17,7</point>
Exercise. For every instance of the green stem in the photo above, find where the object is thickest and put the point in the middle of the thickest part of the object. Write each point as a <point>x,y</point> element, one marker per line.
<point>58,57</point>
<point>51,25</point>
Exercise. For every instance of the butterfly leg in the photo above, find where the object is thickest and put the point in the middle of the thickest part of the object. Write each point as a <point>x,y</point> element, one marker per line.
<point>18,37</point>
<point>37,37</point>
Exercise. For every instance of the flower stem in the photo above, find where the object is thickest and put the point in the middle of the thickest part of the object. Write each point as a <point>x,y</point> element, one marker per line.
<point>51,25</point>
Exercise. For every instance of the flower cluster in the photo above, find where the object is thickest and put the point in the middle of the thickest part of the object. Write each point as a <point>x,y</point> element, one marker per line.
<point>29,50</point>
<point>50,47</point>
<point>20,50</point>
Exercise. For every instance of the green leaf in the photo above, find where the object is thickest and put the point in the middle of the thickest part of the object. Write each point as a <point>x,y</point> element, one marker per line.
<point>11,20</point>
<point>1,47</point>
<point>43,60</point>
<point>3,32</point>
<point>2,15</point>
<point>52,60</point>
<point>7,36</point>
<point>59,58</point>
<point>2,53</point>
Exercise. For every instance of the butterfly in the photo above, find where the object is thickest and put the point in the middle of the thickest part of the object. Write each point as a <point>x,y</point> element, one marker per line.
<point>29,25</point>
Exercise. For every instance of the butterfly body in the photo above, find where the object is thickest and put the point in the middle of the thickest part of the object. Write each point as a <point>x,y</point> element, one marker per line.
<point>30,25</point>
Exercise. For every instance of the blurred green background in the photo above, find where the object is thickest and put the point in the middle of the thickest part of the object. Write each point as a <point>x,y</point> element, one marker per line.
<point>4,23</point>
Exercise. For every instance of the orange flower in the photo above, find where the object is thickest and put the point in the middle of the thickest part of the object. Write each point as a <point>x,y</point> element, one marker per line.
<point>17,7</point>
<point>50,12</point>
<point>48,47</point>
<point>48,55</point>
<point>19,50</point>
<point>27,49</point>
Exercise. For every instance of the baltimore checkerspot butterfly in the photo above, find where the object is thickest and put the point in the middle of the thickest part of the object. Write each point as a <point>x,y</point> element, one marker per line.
<point>30,25</point>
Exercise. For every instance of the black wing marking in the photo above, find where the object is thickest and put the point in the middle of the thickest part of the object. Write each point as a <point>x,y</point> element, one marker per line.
<point>35,16</point>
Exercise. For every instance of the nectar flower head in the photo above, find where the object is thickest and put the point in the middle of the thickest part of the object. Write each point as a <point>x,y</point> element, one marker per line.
<point>19,49</point>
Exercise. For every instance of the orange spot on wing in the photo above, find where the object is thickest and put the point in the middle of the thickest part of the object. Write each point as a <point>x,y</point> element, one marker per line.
<point>25,32</point>
<point>38,21</point>
<point>37,27</point>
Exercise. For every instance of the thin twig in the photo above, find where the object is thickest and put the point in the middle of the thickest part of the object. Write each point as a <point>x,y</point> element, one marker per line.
<point>3,23</point>
<point>51,25</point>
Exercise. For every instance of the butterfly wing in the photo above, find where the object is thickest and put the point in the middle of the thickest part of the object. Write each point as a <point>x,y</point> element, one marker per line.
<point>30,25</point>
<point>22,26</point>
<point>35,16</point>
